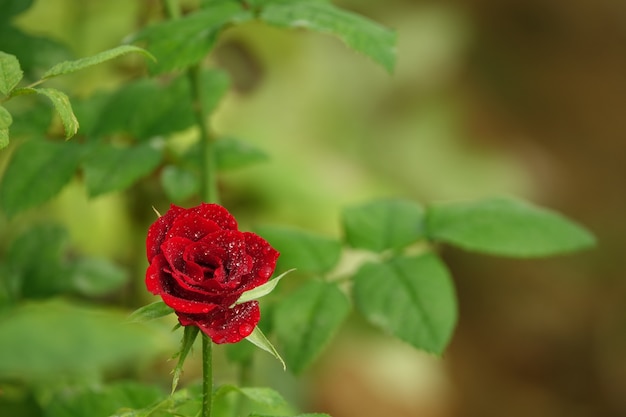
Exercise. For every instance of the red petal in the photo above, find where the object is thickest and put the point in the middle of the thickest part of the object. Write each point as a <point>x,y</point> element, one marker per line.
<point>226,325</point>
<point>158,229</point>
<point>216,213</point>
<point>192,226</point>
<point>264,257</point>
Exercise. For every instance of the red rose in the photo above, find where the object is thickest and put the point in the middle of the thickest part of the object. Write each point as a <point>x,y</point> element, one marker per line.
<point>200,264</point>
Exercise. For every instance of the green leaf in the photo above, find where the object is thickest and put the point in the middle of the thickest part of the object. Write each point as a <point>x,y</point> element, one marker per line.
<point>97,276</point>
<point>79,64</point>
<point>261,290</point>
<point>37,171</point>
<point>151,311</point>
<point>102,401</point>
<point>412,298</point>
<point>184,402</point>
<point>307,251</point>
<point>61,104</point>
<point>5,118</point>
<point>35,53</point>
<point>182,42</point>
<point>258,339</point>
<point>231,154</point>
<point>5,122</point>
<point>189,337</point>
<point>12,8</point>
<point>506,227</point>
<point>4,137</point>
<point>359,33</point>
<point>53,338</point>
<point>111,169</point>
<point>384,224</point>
<point>306,320</point>
<point>260,395</point>
<point>10,72</point>
<point>49,275</point>
<point>178,183</point>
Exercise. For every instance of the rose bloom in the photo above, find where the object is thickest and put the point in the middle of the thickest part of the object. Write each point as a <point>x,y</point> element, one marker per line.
<point>200,264</point>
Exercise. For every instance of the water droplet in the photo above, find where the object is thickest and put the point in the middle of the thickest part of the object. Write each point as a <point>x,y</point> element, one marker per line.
<point>265,272</point>
<point>245,329</point>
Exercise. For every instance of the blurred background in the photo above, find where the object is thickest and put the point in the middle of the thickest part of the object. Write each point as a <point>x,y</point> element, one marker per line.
<point>519,97</point>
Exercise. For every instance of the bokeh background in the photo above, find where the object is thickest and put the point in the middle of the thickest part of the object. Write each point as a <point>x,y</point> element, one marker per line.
<point>519,97</point>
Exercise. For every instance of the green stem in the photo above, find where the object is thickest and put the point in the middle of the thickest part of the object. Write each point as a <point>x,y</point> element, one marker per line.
<point>208,182</point>
<point>207,376</point>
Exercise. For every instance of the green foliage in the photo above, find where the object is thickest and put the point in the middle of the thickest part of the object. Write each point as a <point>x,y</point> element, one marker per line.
<point>189,337</point>
<point>359,33</point>
<point>151,311</point>
<point>385,224</point>
<point>5,122</point>
<point>43,340</point>
<point>95,277</point>
<point>102,401</point>
<point>12,8</point>
<point>180,43</point>
<point>257,338</point>
<point>178,183</point>
<point>109,168</point>
<point>37,171</point>
<point>306,320</point>
<point>506,227</point>
<point>61,104</point>
<point>410,297</point>
<point>10,73</point>
<point>308,251</point>
<point>79,64</point>
<point>231,153</point>
<point>260,395</point>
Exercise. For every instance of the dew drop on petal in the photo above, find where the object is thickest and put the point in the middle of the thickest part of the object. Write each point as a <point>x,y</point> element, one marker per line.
<point>245,329</point>
<point>265,272</point>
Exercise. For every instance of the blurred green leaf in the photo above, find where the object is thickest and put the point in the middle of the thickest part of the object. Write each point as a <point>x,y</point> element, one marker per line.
<point>149,107</point>
<point>33,120</point>
<point>359,33</point>
<point>34,52</point>
<point>182,42</point>
<point>306,320</point>
<point>258,339</point>
<point>36,267</point>
<point>5,122</point>
<point>5,118</point>
<point>384,224</point>
<point>183,403</point>
<point>61,104</point>
<point>108,168</point>
<point>79,64</point>
<point>151,311</point>
<point>231,153</point>
<point>412,298</point>
<point>307,251</point>
<point>97,276</point>
<point>506,227</point>
<point>189,337</point>
<point>12,8</point>
<point>179,183</point>
<point>102,401</point>
<point>260,395</point>
<point>48,340</point>
<point>10,72</point>
<point>37,171</point>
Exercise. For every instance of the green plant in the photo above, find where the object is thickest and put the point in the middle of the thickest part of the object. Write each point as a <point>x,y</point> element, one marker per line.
<point>127,142</point>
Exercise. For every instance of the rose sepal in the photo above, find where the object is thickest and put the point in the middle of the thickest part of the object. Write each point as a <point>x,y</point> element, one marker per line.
<point>151,311</point>
<point>258,339</point>
<point>261,290</point>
